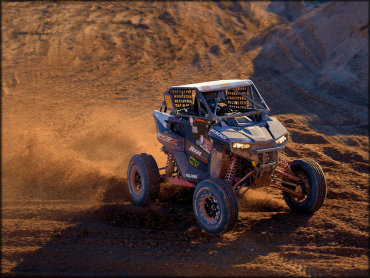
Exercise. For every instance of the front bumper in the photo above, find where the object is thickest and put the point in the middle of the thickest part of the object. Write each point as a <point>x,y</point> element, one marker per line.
<point>260,157</point>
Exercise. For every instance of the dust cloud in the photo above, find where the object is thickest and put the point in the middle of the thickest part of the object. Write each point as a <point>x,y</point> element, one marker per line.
<point>44,162</point>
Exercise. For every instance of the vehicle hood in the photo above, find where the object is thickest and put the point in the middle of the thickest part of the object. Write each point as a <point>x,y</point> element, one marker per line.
<point>263,132</point>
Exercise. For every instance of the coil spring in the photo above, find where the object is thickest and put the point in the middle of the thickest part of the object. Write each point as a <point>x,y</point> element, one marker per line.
<point>284,164</point>
<point>170,164</point>
<point>233,165</point>
<point>170,159</point>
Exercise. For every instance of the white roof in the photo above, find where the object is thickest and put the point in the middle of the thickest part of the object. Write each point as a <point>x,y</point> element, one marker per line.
<point>217,85</point>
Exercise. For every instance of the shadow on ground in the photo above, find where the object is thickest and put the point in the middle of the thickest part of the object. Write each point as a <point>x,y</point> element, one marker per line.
<point>110,239</point>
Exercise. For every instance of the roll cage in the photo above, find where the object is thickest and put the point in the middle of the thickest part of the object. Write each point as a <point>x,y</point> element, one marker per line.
<point>214,105</point>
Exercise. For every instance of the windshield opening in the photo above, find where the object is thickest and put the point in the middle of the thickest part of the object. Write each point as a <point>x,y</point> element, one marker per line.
<point>236,101</point>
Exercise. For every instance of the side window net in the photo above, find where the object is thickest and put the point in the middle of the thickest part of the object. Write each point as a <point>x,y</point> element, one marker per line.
<point>184,100</point>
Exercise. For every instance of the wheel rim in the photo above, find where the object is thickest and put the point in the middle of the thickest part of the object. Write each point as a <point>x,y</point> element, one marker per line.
<point>305,185</point>
<point>209,208</point>
<point>136,181</point>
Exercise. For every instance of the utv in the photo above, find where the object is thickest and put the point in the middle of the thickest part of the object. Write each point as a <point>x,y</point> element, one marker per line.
<point>219,140</point>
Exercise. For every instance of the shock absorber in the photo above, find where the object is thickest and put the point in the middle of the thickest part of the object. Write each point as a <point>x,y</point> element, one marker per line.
<point>170,164</point>
<point>231,170</point>
<point>284,164</point>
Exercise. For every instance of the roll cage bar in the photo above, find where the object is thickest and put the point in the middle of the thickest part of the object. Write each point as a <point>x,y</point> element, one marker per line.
<point>177,107</point>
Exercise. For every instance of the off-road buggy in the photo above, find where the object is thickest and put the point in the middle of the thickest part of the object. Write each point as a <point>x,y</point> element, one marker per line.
<point>219,139</point>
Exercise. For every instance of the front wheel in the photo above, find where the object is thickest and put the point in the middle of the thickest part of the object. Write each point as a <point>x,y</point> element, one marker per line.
<point>313,186</point>
<point>143,179</point>
<point>215,206</point>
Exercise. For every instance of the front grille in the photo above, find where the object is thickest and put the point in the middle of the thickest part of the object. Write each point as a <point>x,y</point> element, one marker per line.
<point>269,157</point>
<point>266,158</point>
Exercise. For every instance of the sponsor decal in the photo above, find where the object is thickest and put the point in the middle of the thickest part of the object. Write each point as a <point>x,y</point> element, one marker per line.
<point>225,85</point>
<point>195,151</point>
<point>201,155</point>
<point>191,176</point>
<point>193,161</point>
<point>168,139</point>
<point>219,134</point>
<point>205,144</point>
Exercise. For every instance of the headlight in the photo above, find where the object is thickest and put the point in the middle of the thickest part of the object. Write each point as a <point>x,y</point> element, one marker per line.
<point>241,146</point>
<point>281,140</point>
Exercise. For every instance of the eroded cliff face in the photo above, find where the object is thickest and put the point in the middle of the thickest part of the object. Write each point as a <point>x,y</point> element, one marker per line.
<point>321,61</point>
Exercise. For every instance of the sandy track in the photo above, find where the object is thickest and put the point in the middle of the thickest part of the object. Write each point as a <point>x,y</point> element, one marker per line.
<point>61,237</point>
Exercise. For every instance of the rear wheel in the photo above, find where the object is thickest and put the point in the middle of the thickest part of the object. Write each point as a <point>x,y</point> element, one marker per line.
<point>313,186</point>
<point>143,179</point>
<point>215,206</point>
